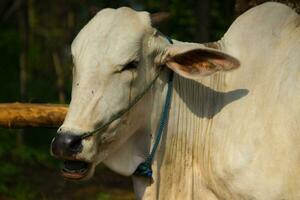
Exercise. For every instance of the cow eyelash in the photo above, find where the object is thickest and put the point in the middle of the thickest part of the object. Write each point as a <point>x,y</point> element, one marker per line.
<point>132,65</point>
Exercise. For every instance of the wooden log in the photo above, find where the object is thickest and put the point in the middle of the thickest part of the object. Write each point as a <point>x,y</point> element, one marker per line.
<point>22,115</point>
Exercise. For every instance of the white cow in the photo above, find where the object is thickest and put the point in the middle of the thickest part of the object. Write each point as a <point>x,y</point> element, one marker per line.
<point>233,135</point>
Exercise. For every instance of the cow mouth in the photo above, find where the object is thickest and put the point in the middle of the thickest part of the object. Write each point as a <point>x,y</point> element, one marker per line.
<point>75,169</point>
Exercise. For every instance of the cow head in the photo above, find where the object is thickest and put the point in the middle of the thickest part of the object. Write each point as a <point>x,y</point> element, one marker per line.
<point>116,56</point>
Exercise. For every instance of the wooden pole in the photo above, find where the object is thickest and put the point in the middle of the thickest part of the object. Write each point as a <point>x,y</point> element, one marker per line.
<point>22,115</point>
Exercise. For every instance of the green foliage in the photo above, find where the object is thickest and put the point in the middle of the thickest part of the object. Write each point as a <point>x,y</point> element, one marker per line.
<point>103,196</point>
<point>8,170</point>
<point>13,183</point>
<point>31,156</point>
<point>14,159</point>
<point>9,48</point>
<point>23,192</point>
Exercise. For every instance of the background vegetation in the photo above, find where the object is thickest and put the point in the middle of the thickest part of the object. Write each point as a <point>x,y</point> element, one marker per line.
<point>35,38</point>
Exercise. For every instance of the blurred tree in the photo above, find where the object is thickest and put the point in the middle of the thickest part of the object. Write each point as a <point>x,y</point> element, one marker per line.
<point>24,31</point>
<point>8,7</point>
<point>202,14</point>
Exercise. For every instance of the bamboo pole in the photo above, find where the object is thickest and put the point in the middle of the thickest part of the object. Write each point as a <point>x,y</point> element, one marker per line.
<point>22,115</point>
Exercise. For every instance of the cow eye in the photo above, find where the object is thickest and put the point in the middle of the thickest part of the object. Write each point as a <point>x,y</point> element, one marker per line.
<point>131,65</point>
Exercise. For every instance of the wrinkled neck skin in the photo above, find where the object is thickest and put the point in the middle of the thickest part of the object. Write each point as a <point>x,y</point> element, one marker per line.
<point>178,140</point>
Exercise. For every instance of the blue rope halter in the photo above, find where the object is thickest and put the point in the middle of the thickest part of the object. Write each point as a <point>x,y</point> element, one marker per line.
<point>144,169</point>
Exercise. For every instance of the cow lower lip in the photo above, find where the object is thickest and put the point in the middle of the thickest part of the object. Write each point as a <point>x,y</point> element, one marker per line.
<point>74,169</point>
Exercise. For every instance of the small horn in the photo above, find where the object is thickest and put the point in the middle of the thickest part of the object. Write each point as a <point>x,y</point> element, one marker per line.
<point>157,18</point>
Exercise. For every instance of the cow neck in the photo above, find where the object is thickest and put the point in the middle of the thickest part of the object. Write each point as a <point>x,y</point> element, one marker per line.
<point>144,169</point>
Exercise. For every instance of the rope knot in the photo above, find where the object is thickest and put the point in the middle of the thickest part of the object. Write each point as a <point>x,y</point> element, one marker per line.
<point>144,169</point>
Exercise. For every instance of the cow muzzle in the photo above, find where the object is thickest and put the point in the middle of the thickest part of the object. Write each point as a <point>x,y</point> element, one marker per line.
<point>66,147</point>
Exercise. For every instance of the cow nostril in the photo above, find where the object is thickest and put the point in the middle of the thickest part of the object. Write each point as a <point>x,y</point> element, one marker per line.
<point>76,145</point>
<point>66,145</point>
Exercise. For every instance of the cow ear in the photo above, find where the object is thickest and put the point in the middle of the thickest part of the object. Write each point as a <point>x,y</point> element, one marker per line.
<point>193,63</point>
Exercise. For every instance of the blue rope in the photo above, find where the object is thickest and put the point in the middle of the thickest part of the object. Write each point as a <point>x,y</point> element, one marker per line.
<point>144,169</point>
